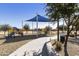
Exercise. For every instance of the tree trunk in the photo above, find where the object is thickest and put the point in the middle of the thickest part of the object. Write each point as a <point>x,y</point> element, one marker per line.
<point>65,45</point>
<point>58,29</point>
<point>76,33</point>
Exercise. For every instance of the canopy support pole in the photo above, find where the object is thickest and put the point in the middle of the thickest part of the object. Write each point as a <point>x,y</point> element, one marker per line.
<point>37,24</point>
<point>32,27</point>
<point>22,26</point>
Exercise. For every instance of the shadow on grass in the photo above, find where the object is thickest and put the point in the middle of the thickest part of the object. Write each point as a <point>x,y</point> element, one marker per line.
<point>10,39</point>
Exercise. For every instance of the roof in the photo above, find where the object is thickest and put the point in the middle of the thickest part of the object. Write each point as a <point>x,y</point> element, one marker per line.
<point>40,19</point>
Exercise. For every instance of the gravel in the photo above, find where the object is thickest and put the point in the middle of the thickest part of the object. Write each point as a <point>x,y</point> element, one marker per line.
<point>8,48</point>
<point>73,49</point>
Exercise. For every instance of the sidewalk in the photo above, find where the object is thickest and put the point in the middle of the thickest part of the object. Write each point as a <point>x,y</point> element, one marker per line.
<point>35,45</point>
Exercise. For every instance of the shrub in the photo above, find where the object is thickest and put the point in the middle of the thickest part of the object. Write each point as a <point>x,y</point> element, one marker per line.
<point>26,27</point>
<point>58,45</point>
<point>47,29</point>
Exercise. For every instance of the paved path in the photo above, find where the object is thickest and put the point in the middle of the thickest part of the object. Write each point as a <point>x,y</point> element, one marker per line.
<point>32,47</point>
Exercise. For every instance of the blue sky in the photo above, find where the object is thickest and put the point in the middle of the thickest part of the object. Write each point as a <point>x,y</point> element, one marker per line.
<point>13,14</point>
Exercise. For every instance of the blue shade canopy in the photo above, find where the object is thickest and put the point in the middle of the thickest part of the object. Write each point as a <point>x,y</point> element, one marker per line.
<point>40,19</point>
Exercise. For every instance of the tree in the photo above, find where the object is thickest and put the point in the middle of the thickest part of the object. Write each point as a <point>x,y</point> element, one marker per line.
<point>47,29</point>
<point>54,14</point>
<point>26,27</point>
<point>5,28</point>
<point>61,27</point>
<point>76,28</point>
<point>70,18</point>
<point>66,11</point>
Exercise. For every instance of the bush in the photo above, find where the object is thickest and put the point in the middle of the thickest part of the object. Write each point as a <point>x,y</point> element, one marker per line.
<point>58,45</point>
<point>47,29</point>
<point>26,27</point>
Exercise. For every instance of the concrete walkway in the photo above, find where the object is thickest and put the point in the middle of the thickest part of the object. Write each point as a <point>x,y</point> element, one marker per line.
<point>32,47</point>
